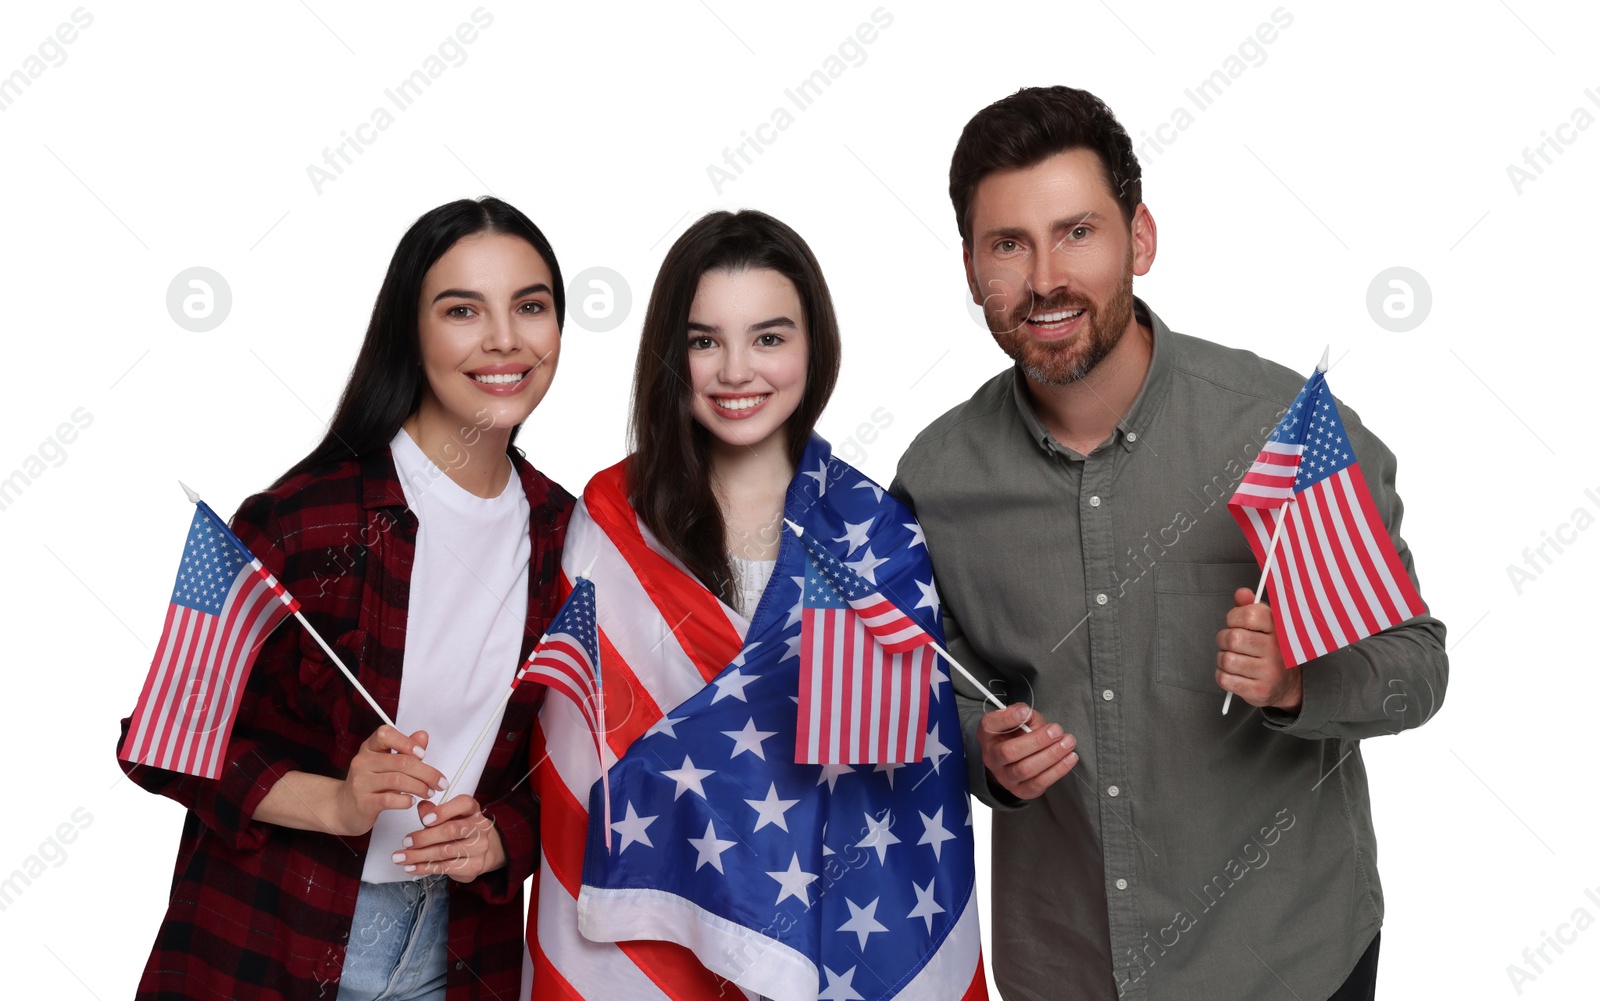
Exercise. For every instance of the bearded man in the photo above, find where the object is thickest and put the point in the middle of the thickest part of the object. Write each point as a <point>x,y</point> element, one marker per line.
<point>1145,845</point>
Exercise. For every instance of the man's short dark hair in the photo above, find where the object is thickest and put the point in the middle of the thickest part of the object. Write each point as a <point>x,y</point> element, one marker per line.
<point>1031,126</point>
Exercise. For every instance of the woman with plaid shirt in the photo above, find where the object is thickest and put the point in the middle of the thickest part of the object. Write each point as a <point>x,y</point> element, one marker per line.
<point>321,863</point>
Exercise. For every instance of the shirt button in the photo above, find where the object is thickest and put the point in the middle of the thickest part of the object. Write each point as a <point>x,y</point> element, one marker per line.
<point>1113,791</point>
<point>461,964</point>
<point>1122,884</point>
<point>1107,695</point>
<point>1100,599</point>
<point>511,735</point>
<point>1094,501</point>
<point>1132,437</point>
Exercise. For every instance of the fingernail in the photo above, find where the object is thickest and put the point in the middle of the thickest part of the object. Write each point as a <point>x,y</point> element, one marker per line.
<point>1052,731</point>
<point>398,856</point>
<point>1020,712</point>
<point>411,868</point>
<point>1066,745</point>
<point>407,841</point>
<point>416,749</point>
<point>429,819</point>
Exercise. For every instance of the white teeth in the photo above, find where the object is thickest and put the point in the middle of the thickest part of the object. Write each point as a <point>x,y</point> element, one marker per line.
<point>742,403</point>
<point>1056,317</point>
<point>507,379</point>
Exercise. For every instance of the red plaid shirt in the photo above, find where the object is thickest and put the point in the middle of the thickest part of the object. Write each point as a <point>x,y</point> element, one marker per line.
<point>264,912</point>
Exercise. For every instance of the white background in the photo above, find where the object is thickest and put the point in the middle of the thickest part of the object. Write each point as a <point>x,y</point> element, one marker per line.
<point>1372,135</point>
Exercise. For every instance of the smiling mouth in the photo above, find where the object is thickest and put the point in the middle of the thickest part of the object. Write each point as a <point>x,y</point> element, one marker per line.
<point>1055,318</point>
<point>501,379</point>
<point>737,403</point>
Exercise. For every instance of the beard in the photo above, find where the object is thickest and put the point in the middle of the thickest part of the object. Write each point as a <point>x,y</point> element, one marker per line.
<point>1057,363</point>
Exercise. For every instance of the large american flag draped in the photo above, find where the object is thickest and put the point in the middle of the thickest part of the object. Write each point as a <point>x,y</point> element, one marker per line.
<point>224,603</point>
<point>731,861</point>
<point>1336,576</point>
<point>864,669</point>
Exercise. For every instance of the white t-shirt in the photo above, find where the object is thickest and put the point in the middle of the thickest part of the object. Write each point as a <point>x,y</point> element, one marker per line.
<point>464,624</point>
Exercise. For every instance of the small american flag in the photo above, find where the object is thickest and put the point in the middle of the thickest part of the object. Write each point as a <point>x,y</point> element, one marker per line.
<point>865,668</point>
<point>1337,577</point>
<point>224,603</point>
<point>568,657</point>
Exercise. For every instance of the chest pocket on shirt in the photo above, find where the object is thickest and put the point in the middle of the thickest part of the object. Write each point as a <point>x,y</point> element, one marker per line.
<point>1192,603</point>
<point>320,695</point>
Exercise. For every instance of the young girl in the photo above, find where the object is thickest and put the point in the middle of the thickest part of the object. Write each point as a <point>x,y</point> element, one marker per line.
<point>424,547</point>
<point>726,859</point>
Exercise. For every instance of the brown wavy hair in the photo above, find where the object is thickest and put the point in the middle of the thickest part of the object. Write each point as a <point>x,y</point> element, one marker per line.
<point>669,472</point>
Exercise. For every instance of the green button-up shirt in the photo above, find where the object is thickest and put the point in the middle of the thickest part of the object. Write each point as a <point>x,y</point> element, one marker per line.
<point>1189,854</point>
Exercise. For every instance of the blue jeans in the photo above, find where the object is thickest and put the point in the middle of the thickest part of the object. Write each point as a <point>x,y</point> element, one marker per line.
<point>398,939</point>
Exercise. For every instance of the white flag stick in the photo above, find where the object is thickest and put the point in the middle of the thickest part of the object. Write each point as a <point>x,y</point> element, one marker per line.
<point>974,682</point>
<point>941,651</point>
<point>194,498</point>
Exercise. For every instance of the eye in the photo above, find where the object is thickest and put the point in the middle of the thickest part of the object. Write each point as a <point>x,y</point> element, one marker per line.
<point>1078,233</point>
<point>769,340</point>
<point>458,312</point>
<point>701,343</point>
<point>1007,246</point>
<point>535,306</point>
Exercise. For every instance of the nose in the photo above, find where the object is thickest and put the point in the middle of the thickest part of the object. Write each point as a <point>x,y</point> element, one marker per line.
<point>736,365</point>
<point>1047,275</point>
<point>497,332</point>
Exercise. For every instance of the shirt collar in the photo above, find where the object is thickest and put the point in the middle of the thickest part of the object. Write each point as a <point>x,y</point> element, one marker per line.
<point>1134,423</point>
<point>380,481</point>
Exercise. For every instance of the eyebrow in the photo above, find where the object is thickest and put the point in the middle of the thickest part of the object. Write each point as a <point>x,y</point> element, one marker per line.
<point>461,293</point>
<point>1066,222</point>
<point>755,328</point>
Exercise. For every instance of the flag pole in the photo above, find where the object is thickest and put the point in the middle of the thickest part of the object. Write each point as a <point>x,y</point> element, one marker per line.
<point>1277,530</point>
<point>941,651</point>
<point>227,533</point>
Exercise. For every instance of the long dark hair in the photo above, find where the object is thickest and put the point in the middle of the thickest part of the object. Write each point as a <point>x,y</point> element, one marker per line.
<point>669,474</point>
<point>385,386</point>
